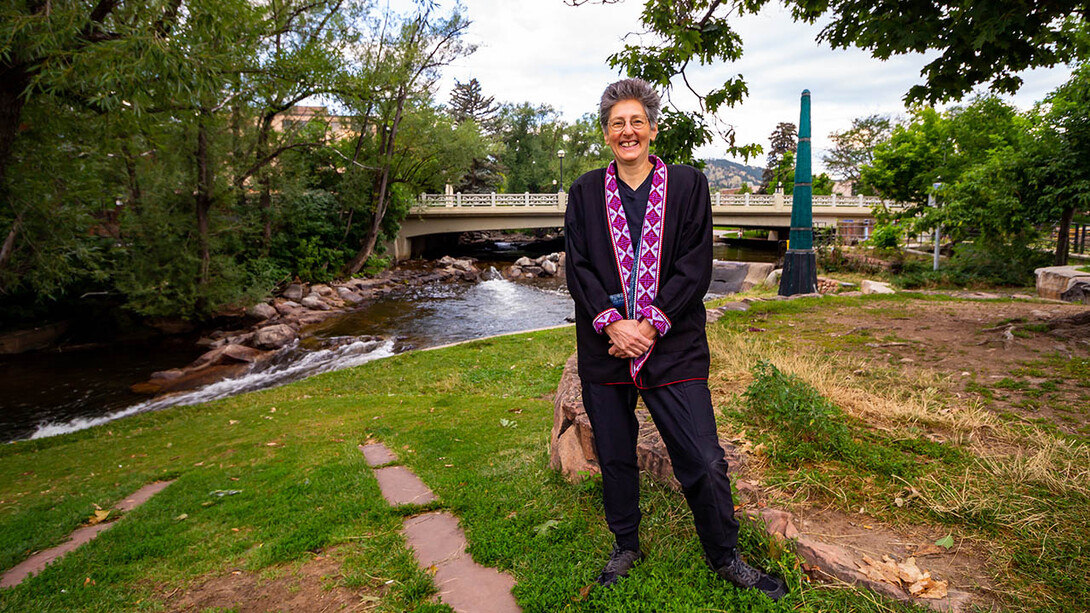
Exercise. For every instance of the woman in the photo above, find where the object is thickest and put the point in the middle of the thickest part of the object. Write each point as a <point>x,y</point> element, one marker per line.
<point>639,245</point>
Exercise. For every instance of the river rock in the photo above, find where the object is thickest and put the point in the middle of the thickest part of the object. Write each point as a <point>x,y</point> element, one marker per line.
<point>273,337</point>
<point>533,270</point>
<point>262,311</point>
<point>524,262</point>
<point>286,307</point>
<point>465,266</point>
<point>549,268</point>
<point>228,354</point>
<point>349,296</point>
<point>321,290</point>
<point>315,303</point>
<point>293,292</point>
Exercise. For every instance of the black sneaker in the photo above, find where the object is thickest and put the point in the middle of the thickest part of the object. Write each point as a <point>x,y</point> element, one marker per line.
<point>745,576</point>
<point>620,562</point>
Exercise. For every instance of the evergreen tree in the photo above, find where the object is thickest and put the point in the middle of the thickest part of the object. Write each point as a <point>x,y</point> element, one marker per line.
<point>467,103</point>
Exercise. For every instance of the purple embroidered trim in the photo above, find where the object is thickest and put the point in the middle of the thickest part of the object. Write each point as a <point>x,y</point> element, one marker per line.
<point>605,318</point>
<point>647,269</point>
<point>658,319</point>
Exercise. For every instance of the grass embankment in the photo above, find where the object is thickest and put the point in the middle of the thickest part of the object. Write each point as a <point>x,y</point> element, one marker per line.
<point>473,422</point>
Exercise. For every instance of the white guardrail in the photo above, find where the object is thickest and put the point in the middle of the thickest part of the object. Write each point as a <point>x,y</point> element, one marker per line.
<point>718,199</point>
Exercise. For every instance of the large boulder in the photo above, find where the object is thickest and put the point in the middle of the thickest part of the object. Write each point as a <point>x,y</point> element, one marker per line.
<point>571,444</point>
<point>294,292</point>
<point>273,337</point>
<point>262,311</point>
<point>1066,283</point>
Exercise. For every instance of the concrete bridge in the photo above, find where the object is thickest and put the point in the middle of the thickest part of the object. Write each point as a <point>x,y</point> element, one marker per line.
<point>436,216</point>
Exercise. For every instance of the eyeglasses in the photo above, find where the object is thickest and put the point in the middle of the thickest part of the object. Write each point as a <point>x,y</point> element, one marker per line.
<point>637,123</point>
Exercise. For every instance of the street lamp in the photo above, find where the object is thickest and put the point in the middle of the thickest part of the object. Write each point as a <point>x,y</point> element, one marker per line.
<point>560,154</point>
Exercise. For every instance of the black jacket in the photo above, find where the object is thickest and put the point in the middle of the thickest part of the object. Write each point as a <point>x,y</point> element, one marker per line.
<point>686,262</point>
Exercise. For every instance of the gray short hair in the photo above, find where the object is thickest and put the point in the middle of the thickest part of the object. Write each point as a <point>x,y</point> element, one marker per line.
<point>629,89</point>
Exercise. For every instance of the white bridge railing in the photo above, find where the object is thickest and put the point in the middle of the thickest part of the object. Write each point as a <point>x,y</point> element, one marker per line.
<point>560,199</point>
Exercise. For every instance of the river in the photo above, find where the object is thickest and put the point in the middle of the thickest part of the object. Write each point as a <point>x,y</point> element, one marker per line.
<point>49,393</point>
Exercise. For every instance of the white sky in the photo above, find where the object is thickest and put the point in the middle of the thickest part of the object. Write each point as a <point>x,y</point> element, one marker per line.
<point>543,51</point>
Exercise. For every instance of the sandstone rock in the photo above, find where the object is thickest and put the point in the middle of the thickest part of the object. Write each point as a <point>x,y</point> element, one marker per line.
<point>877,287</point>
<point>293,292</point>
<point>773,278</point>
<point>446,260</point>
<point>549,268</point>
<point>286,307</point>
<point>534,270</point>
<point>187,379</point>
<point>756,274</point>
<point>349,296</point>
<point>465,266</point>
<point>1054,281</point>
<point>555,257</point>
<point>524,262</point>
<point>322,290</point>
<point>227,354</point>
<point>512,272</point>
<point>315,303</point>
<point>273,337</point>
<point>571,444</point>
<point>261,311</point>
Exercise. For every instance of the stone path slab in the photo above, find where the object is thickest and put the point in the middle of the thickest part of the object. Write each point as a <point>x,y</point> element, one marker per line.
<point>438,543</point>
<point>467,587</point>
<point>37,562</point>
<point>377,454</point>
<point>400,485</point>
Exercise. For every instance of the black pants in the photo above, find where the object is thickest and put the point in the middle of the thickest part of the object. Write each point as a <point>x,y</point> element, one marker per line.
<point>685,419</point>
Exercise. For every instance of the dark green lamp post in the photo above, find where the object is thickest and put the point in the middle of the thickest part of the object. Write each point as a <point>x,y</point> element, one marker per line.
<point>800,262</point>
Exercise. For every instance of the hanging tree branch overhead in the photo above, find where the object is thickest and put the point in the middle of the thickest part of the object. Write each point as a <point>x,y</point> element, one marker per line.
<point>979,41</point>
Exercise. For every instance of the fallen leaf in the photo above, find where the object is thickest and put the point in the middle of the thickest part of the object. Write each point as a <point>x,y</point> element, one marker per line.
<point>182,517</point>
<point>99,517</point>
<point>909,573</point>
<point>946,542</point>
<point>884,570</point>
<point>929,588</point>
<point>584,592</point>
<point>900,502</point>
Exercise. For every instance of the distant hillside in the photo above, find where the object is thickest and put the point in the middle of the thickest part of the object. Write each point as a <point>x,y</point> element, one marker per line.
<point>725,174</point>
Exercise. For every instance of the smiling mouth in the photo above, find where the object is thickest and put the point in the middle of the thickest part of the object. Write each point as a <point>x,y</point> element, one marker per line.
<point>630,143</point>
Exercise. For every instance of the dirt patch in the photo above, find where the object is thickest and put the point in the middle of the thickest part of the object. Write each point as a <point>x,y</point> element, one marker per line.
<point>314,587</point>
<point>1009,355</point>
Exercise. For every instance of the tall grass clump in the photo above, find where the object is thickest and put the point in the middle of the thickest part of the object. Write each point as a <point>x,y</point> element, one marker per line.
<point>806,427</point>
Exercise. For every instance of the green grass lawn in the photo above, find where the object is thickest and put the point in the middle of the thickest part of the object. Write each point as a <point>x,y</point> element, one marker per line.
<point>473,421</point>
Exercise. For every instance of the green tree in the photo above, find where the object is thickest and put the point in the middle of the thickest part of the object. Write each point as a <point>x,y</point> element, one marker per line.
<point>468,103</point>
<point>530,136</point>
<point>854,148</point>
<point>783,140</point>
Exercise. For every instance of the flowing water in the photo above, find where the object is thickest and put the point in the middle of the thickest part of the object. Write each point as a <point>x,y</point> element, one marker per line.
<point>46,394</point>
<point>49,393</point>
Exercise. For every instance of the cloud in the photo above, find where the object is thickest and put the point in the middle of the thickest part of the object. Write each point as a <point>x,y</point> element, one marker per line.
<point>543,51</point>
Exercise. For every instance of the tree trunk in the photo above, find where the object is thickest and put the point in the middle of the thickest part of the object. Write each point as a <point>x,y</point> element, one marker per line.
<point>265,204</point>
<point>204,198</point>
<point>387,151</point>
<point>371,237</point>
<point>9,244</point>
<point>1063,239</point>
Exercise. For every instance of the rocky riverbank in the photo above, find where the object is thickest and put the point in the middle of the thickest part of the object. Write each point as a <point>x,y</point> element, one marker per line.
<point>270,327</point>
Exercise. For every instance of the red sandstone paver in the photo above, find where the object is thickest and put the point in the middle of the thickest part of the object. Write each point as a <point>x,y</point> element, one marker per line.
<point>400,485</point>
<point>37,562</point>
<point>377,454</point>
<point>467,587</point>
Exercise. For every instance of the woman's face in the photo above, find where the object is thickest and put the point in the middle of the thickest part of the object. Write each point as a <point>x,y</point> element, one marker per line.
<point>628,132</point>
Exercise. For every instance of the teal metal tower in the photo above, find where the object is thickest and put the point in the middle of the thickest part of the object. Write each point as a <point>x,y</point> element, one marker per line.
<point>800,261</point>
